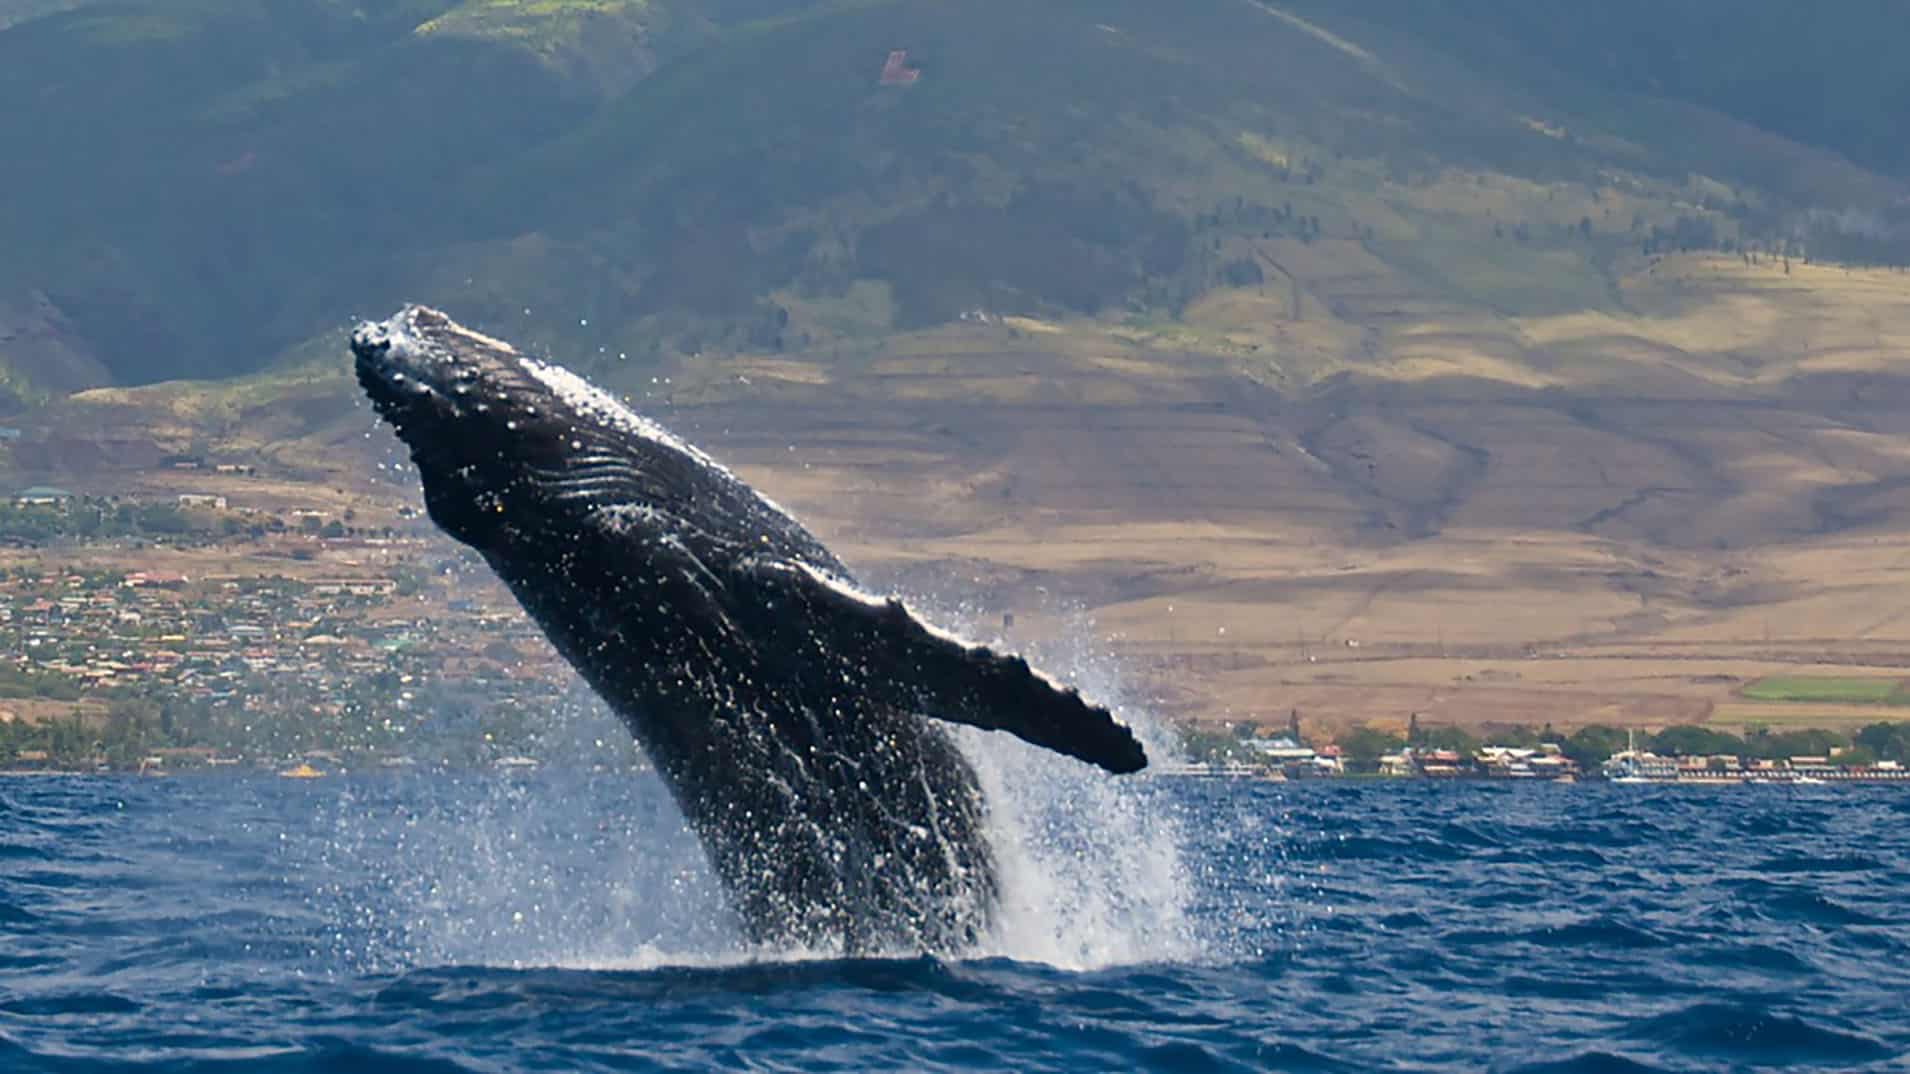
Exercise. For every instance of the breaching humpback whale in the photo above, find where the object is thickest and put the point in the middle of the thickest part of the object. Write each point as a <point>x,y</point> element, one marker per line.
<point>788,711</point>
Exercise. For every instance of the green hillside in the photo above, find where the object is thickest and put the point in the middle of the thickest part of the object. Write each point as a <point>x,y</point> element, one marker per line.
<point>1826,75</point>
<point>203,185</point>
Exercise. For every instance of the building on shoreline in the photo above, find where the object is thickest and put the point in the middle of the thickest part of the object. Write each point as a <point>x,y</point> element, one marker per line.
<point>1642,766</point>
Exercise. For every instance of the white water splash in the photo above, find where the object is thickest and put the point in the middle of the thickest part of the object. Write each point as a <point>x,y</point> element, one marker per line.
<point>601,872</point>
<point>1091,867</point>
<point>1090,863</point>
<point>584,862</point>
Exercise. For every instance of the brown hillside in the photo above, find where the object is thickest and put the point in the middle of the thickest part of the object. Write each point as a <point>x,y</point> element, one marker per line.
<point>1612,517</point>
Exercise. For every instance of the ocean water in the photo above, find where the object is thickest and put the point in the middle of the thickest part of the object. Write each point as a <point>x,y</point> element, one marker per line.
<point>563,921</point>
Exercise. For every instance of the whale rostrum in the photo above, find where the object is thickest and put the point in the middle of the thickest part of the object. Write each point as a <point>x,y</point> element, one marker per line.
<point>792,714</point>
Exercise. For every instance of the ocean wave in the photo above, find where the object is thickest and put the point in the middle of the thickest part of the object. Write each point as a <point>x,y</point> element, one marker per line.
<point>466,924</point>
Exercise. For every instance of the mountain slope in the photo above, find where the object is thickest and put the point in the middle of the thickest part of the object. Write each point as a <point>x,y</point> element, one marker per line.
<point>1830,77</point>
<point>1413,357</point>
<point>208,185</point>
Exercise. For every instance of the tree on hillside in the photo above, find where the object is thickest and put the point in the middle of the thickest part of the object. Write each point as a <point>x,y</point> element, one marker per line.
<point>132,728</point>
<point>1518,735</point>
<point>161,518</point>
<point>1447,738</point>
<point>1857,757</point>
<point>1363,746</point>
<point>1593,745</point>
<point>1888,741</point>
<point>1691,741</point>
<point>1806,742</point>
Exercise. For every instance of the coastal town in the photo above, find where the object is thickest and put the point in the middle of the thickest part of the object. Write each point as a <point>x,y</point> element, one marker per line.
<point>162,635</point>
<point>171,633</point>
<point>1875,753</point>
<point>1281,758</point>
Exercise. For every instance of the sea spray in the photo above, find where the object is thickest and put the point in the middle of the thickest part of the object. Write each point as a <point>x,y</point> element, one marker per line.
<point>585,862</point>
<point>1091,869</point>
<point>1090,864</point>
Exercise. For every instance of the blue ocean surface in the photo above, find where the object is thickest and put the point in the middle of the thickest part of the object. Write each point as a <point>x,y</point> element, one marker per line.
<point>564,921</point>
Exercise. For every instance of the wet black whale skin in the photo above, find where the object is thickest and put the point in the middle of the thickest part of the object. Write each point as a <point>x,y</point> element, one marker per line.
<point>786,709</point>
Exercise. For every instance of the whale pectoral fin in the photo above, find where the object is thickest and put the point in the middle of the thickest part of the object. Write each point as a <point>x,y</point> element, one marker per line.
<point>911,665</point>
<point>975,685</point>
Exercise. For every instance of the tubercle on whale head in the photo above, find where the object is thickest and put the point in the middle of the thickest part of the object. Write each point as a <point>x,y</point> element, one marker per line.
<point>483,431</point>
<point>421,369</point>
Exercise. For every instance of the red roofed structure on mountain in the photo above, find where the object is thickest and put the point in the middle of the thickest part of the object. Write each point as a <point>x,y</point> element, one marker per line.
<point>897,72</point>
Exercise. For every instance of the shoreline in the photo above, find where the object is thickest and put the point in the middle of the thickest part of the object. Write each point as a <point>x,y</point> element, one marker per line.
<point>1362,778</point>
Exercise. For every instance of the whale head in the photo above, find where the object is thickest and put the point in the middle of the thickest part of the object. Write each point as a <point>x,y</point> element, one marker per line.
<point>505,444</point>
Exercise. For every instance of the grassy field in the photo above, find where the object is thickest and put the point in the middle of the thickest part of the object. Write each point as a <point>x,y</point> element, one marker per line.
<point>1874,691</point>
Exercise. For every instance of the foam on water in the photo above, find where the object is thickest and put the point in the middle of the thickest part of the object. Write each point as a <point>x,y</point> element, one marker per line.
<point>1091,864</point>
<point>1091,873</point>
<point>598,870</point>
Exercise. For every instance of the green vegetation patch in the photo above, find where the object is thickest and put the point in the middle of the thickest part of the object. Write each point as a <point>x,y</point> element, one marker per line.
<point>532,21</point>
<point>1829,689</point>
<point>1513,275</point>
